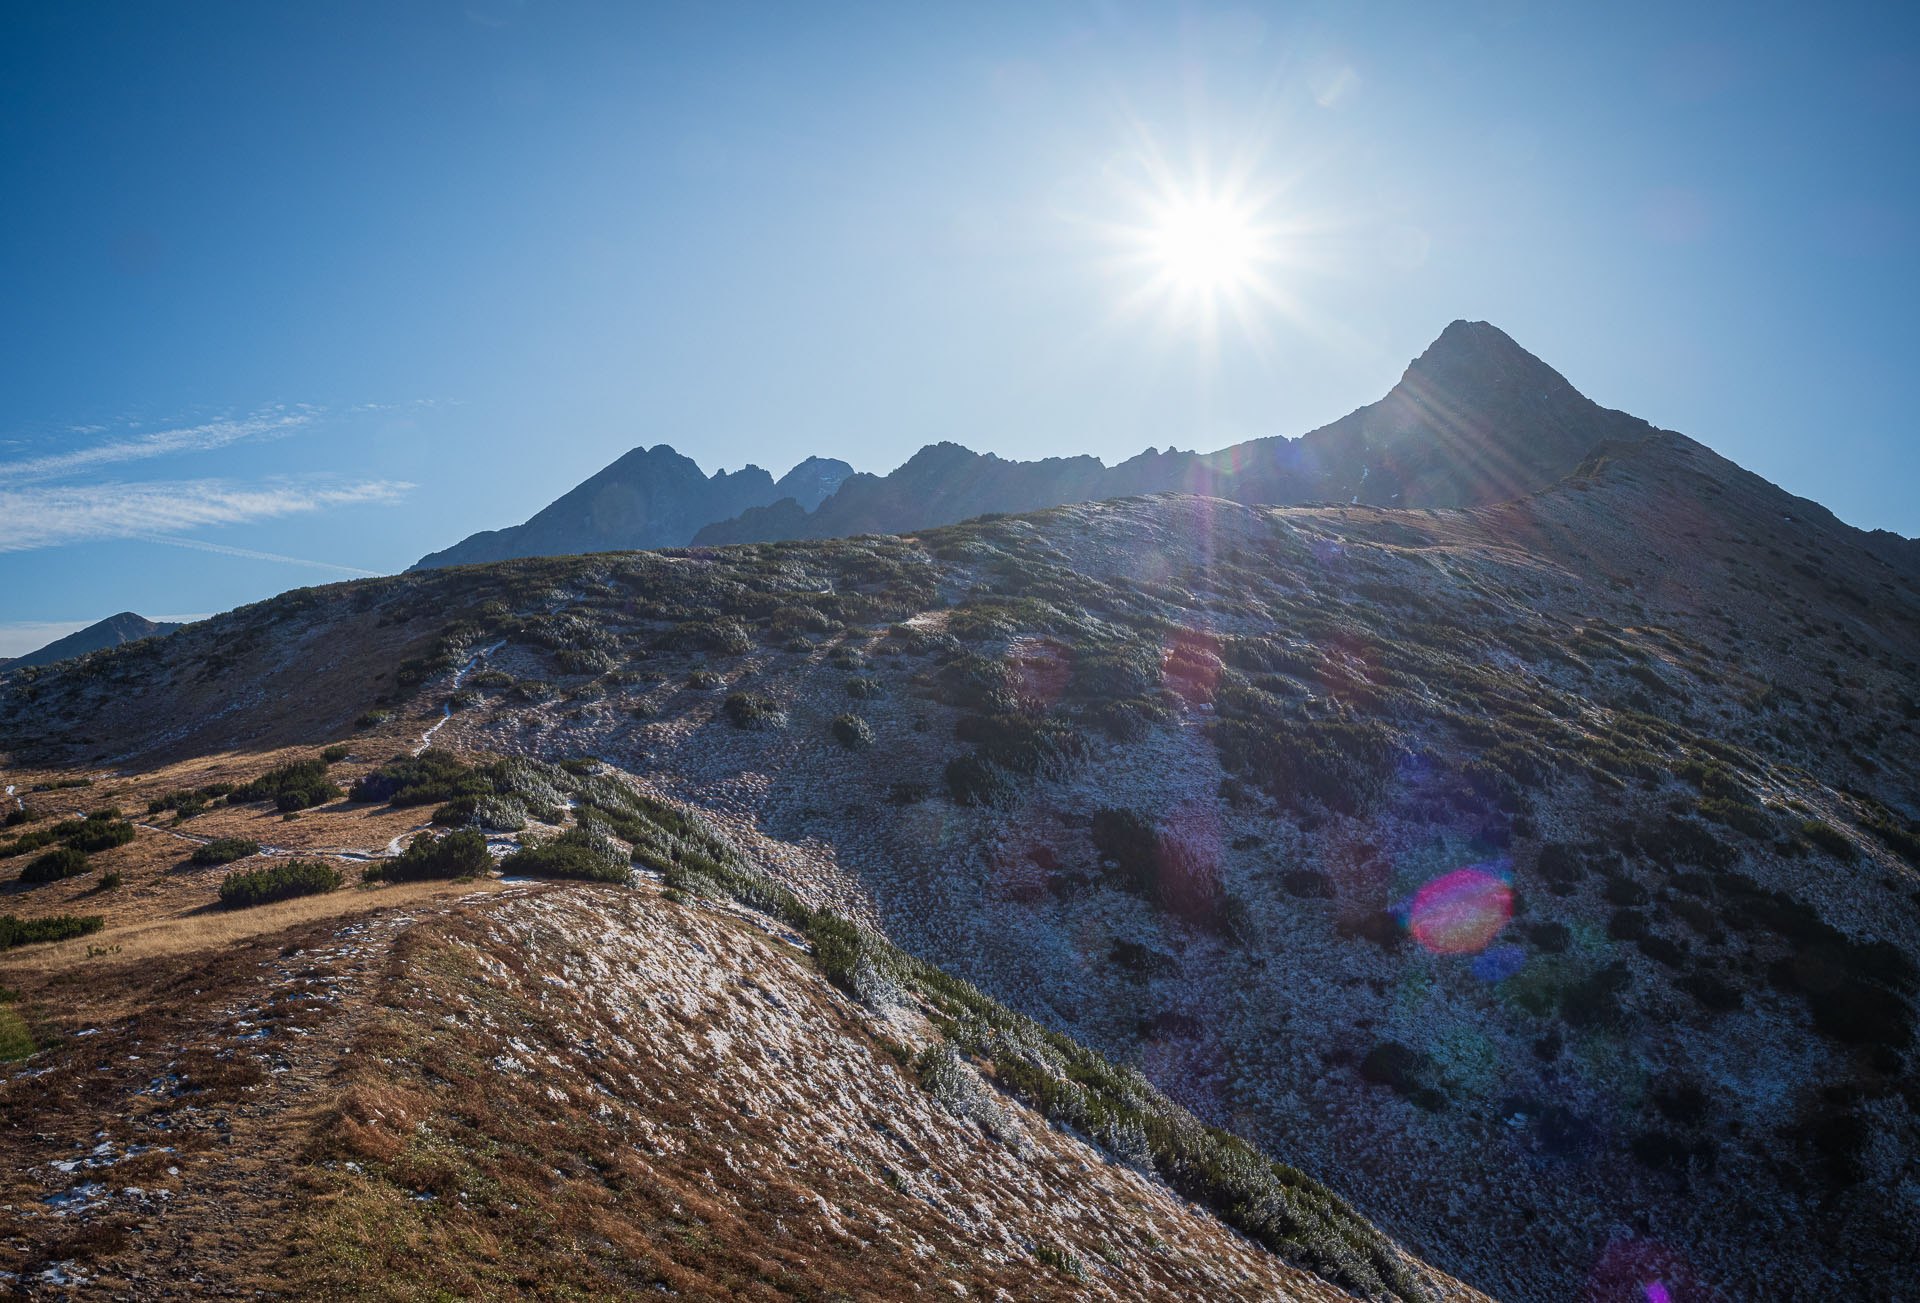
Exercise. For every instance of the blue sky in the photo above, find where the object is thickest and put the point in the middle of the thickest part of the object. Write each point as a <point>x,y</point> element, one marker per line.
<point>294,292</point>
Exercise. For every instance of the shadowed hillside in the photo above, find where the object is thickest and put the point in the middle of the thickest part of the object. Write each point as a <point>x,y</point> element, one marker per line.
<point>1540,875</point>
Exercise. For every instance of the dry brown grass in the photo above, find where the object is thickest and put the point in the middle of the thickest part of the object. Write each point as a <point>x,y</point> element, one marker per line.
<point>165,904</point>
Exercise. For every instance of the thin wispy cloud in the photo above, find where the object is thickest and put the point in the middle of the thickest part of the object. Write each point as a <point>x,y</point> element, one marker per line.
<point>18,637</point>
<point>51,516</point>
<point>160,443</point>
<point>201,545</point>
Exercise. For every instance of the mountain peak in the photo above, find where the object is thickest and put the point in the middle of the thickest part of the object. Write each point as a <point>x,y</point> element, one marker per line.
<point>1472,355</point>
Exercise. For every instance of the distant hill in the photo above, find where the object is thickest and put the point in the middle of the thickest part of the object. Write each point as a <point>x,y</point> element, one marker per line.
<point>110,632</point>
<point>652,497</point>
<point>1475,420</point>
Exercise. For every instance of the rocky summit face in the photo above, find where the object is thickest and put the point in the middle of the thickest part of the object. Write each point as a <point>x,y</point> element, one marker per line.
<point>1162,897</point>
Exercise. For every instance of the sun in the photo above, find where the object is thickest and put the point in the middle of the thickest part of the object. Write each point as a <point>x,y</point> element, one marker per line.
<point>1205,247</point>
<point>1197,255</point>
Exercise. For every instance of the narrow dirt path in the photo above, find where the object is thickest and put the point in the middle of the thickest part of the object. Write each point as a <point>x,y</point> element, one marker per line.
<point>150,1154</point>
<point>446,710</point>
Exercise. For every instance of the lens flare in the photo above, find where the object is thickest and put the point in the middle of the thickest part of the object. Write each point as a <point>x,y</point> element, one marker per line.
<point>1460,913</point>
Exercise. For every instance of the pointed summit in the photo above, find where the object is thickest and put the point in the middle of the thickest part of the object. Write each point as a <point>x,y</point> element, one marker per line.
<point>1474,360</point>
<point>1475,419</point>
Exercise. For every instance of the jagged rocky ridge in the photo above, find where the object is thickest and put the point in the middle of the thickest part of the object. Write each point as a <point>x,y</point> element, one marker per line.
<point>1476,419</point>
<point>652,497</point>
<point>1173,774</point>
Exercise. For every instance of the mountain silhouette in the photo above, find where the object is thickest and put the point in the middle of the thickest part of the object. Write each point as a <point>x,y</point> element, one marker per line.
<point>651,497</point>
<point>110,632</point>
<point>1476,419</point>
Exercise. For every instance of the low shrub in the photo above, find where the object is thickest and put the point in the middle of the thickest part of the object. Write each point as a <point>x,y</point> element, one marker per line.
<point>1167,869</point>
<point>333,755</point>
<point>865,689</point>
<point>1594,1001</point>
<point>1550,938</point>
<point>1130,840</point>
<point>703,680</point>
<point>1386,928</point>
<point>1308,884</point>
<point>1681,841</point>
<point>1394,1066</point>
<point>296,786</point>
<point>1010,747</point>
<point>1681,1101</point>
<point>55,865</point>
<point>851,732</point>
<point>1829,839</point>
<point>573,854</point>
<point>225,850</point>
<point>1276,1206</point>
<point>752,710</point>
<point>1622,890</point>
<point>1343,765</point>
<point>456,855</point>
<point>373,719</point>
<point>262,886</point>
<point>590,660</point>
<point>1662,950</point>
<point>1627,925</point>
<point>1739,816</point>
<point>1130,719</point>
<point>19,815</point>
<point>95,833</point>
<point>1711,991</point>
<point>973,781</point>
<point>57,927</point>
<point>111,881</point>
<point>28,841</point>
<point>432,777</point>
<point>500,814</point>
<point>190,804</point>
<point>720,637</point>
<point>790,621</point>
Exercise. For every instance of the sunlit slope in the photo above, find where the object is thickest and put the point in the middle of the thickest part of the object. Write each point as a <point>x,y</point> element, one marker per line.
<point>588,1093</point>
